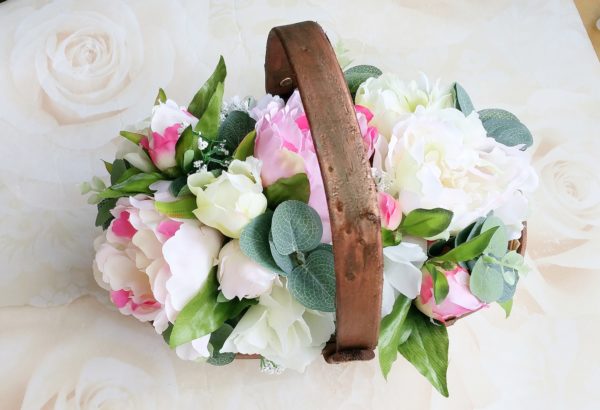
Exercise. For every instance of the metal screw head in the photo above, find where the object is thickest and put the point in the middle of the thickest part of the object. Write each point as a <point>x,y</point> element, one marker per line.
<point>286,82</point>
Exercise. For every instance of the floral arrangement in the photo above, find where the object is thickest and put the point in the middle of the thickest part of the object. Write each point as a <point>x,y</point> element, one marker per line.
<point>216,228</point>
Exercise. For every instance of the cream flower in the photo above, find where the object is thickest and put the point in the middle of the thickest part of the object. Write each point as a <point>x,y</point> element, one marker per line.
<point>402,271</point>
<point>228,202</point>
<point>391,100</point>
<point>240,276</point>
<point>281,330</point>
<point>444,159</point>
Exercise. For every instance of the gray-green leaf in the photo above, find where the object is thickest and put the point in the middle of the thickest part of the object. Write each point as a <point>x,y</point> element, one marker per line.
<point>296,227</point>
<point>357,75</point>
<point>234,128</point>
<point>505,128</point>
<point>217,339</point>
<point>498,245</point>
<point>462,101</point>
<point>254,241</point>
<point>487,282</point>
<point>313,283</point>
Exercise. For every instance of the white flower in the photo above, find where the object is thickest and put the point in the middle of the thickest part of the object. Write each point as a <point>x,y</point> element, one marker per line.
<point>153,265</point>
<point>233,199</point>
<point>402,271</point>
<point>240,276</point>
<point>282,330</point>
<point>444,159</point>
<point>391,100</point>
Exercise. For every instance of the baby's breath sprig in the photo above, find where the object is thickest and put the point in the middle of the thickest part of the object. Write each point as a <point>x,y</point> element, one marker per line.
<point>213,155</point>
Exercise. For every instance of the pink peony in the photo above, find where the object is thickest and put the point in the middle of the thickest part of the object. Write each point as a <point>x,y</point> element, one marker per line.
<point>168,122</point>
<point>285,147</point>
<point>457,303</point>
<point>389,211</point>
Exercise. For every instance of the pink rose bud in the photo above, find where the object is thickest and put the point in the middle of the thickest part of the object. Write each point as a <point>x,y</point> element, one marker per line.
<point>389,211</point>
<point>459,301</point>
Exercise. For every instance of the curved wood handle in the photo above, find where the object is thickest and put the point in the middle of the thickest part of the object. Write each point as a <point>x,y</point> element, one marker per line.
<point>300,55</point>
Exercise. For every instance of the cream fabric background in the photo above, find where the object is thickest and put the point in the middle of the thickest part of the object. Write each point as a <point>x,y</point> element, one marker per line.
<point>63,346</point>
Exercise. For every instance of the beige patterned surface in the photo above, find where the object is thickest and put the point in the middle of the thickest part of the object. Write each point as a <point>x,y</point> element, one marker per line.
<point>62,346</point>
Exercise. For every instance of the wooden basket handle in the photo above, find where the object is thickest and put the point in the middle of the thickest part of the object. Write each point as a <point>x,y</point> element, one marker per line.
<point>300,55</point>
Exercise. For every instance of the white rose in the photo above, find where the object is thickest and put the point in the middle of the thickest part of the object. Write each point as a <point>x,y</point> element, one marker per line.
<point>233,199</point>
<point>240,276</point>
<point>281,330</point>
<point>402,271</point>
<point>391,100</point>
<point>444,159</point>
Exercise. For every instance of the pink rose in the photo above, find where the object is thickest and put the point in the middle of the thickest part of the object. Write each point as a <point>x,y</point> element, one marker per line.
<point>285,147</point>
<point>457,303</point>
<point>168,122</point>
<point>389,211</point>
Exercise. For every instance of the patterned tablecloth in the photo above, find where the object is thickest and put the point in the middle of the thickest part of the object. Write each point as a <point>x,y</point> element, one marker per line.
<point>63,346</point>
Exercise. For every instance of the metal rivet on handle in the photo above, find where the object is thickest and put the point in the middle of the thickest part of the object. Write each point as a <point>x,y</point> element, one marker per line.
<point>286,82</point>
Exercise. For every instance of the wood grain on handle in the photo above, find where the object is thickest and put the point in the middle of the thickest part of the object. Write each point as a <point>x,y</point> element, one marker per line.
<point>300,55</point>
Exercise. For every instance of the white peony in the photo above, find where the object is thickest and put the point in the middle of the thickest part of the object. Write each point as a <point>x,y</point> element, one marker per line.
<point>444,159</point>
<point>281,330</point>
<point>153,265</point>
<point>240,276</point>
<point>231,200</point>
<point>402,271</point>
<point>391,100</point>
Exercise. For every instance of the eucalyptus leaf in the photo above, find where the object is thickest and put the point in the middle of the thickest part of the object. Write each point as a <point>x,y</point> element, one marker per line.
<point>296,227</point>
<point>204,314</point>
<point>486,281</point>
<point>296,187</point>
<point>234,128</point>
<point>313,283</point>
<point>427,349</point>
<point>208,124</point>
<point>505,128</point>
<point>391,332</point>
<point>426,222</point>
<point>357,75</point>
<point>217,339</point>
<point>285,262</point>
<point>181,209</point>
<point>498,245</point>
<point>470,249</point>
<point>508,290</point>
<point>177,185</point>
<point>254,242</point>
<point>202,98</point>
<point>496,114</point>
<point>246,147</point>
<point>462,101</point>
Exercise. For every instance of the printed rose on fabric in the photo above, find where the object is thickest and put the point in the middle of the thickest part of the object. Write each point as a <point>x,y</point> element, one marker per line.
<point>457,303</point>
<point>240,276</point>
<point>231,200</point>
<point>284,144</point>
<point>281,330</point>
<point>153,265</point>
<point>444,159</point>
<point>168,122</point>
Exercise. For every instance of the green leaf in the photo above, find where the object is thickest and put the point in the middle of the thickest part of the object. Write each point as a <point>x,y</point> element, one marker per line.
<point>391,332</point>
<point>498,245</point>
<point>138,183</point>
<point>167,333</point>
<point>204,314</point>
<point>129,172</point>
<point>202,98</point>
<point>132,136</point>
<point>462,101</point>
<point>426,223</point>
<point>486,281</point>
<point>440,284</point>
<point>295,187</point>
<point>254,242</point>
<point>119,166</point>
<point>233,129</point>
<point>217,339</point>
<point>463,235</point>
<point>505,128</point>
<point>108,166</point>
<point>427,349</point>
<point>246,147</point>
<point>161,97</point>
<point>296,227</point>
<point>470,249</point>
<point>182,208</point>
<point>390,238</point>
<point>507,306</point>
<point>357,75</point>
<point>208,125</point>
<point>188,141</point>
<point>313,283</point>
<point>104,216</point>
<point>177,185</point>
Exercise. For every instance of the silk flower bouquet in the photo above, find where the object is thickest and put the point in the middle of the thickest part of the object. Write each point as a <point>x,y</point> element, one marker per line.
<point>217,231</point>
